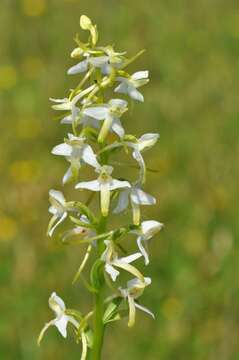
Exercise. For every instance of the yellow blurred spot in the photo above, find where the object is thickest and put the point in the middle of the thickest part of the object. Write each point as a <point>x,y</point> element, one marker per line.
<point>8,228</point>
<point>34,7</point>
<point>172,308</point>
<point>23,171</point>
<point>8,77</point>
<point>28,128</point>
<point>32,67</point>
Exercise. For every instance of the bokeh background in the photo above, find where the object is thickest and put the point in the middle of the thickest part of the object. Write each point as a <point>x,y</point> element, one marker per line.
<point>192,100</point>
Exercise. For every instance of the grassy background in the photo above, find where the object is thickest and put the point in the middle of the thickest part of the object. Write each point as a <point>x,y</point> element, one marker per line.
<point>192,100</point>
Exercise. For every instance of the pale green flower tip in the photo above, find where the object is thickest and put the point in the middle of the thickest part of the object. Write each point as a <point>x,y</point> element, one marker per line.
<point>77,52</point>
<point>85,22</point>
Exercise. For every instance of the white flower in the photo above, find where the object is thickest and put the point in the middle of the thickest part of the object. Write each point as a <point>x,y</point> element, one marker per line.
<point>104,62</point>
<point>58,208</point>
<point>67,104</point>
<point>61,320</point>
<point>104,184</point>
<point>137,197</point>
<point>129,85</point>
<point>76,151</point>
<point>145,142</point>
<point>135,289</point>
<point>111,113</point>
<point>83,231</point>
<point>147,230</point>
<point>111,259</point>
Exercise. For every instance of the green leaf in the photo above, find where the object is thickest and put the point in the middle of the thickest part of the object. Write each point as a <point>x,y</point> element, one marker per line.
<point>111,310</point>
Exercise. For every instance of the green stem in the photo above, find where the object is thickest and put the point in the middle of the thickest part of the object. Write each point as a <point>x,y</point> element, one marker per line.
<point>99,301</point>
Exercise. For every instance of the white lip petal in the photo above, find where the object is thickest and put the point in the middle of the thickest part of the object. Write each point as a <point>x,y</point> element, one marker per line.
<point>97,112</point>
<point>93,185</point>
<point>140,75</point>
<point>143,308</point>
<point>140,197</point>
<point>117,184</point>
<point>78,68</point>
<point>62,149</point>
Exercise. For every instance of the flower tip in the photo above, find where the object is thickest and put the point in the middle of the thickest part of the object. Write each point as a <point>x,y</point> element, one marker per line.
<point>85,22</point>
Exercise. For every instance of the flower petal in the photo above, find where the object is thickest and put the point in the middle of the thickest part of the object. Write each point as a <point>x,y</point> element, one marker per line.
<point>131,258</point>
<point>99,60</point>
<point>140,75</point>
<point>78,68</point>
<point>140,197</point>
<point>58,196</point>
<point>97,112</point>
<point>61,325</point>
<point>139,158</point>
<point>142,250</point>
<point>118,128</point>
<point>93,185</point>
<point>62,149</point>
<point>52,229</point>
<point>122,88</point>
<point>127,267</point>
<point>118,184</point>
<point>68,176</point>
<point>142,308</point>
<point>112,271</point>
<point>89,156</point>
<point>135,94</point>
<point>146,141</point>
<point>123,202</point>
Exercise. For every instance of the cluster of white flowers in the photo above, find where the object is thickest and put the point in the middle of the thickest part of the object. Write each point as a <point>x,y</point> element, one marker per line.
<point>96,135</point>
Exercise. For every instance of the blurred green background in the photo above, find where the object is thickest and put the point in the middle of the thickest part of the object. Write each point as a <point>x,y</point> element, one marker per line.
<point>192,100</point>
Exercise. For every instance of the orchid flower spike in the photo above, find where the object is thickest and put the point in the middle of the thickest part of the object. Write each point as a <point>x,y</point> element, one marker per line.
<point>134,290</point>
<point>111,114</point>
<point>112,261</point>
<point>147,230</point>
<point>104,184</point>
<point>129,85</point>
<point>61,320</point>
<point>59,208</point>
<point>76,152</point>
<point>137,197</point>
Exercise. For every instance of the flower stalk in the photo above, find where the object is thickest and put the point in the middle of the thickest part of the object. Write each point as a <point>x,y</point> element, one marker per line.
<point>97,132</point>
